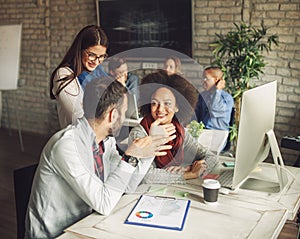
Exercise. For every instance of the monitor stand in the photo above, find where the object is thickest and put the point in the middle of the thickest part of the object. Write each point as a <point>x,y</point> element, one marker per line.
<point>270,178</point>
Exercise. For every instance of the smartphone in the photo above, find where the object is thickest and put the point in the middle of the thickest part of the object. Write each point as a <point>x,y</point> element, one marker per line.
<point>228,164</point>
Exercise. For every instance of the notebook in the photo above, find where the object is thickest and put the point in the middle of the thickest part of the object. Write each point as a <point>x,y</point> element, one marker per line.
<point>159,212</point>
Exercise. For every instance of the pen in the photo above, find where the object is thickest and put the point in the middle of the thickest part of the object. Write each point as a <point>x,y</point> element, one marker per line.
<point>164,197</point>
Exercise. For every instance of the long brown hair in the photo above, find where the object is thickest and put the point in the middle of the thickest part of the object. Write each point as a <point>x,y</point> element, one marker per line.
<point>89,36</point>
<point>177,63</point>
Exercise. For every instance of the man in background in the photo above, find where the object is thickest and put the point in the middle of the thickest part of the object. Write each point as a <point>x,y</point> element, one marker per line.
<point>214,105</point>
<point>118,69</point>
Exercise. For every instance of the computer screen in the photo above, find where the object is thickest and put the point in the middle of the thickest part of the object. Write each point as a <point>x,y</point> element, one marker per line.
<point>142,23</point>
<point>255,138</point>
<point>132,110</point>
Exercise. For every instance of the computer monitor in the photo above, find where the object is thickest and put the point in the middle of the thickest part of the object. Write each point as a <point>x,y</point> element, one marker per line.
<point>255,138</point>
<point>132,110</point>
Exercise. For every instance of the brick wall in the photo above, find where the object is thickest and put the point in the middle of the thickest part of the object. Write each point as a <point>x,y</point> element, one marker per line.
<point>283,63</point>
<point>50,26</point>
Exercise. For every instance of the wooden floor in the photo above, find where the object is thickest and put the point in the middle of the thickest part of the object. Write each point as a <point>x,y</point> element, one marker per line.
<point>12,158</point>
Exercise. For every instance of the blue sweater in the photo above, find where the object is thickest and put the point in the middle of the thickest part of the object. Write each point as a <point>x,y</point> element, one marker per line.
<point>214,109</point>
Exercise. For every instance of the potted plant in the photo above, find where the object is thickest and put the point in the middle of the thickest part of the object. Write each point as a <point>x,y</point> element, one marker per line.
<point>195,128</point>
<point>239,53</point>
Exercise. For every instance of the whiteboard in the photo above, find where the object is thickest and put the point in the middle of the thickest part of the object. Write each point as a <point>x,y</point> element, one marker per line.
<point>10,51</point>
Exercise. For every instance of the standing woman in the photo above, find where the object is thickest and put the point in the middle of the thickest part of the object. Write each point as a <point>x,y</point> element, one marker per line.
<point>87,51</point>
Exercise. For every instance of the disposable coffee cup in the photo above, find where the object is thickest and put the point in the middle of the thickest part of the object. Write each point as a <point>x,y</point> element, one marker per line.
<point>210,190</point>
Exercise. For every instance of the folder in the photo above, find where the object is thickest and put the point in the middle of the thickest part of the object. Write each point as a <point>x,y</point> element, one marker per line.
<point>159,212</point>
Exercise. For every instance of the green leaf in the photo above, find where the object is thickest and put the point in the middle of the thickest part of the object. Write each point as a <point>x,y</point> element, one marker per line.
<point>195,128</point>
<point>239,54</point>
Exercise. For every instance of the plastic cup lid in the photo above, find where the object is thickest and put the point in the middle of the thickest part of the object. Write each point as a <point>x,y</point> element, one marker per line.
<point>211,183</point>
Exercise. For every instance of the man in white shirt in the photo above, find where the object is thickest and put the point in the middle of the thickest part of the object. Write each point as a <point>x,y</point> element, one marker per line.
<point>80,169</point>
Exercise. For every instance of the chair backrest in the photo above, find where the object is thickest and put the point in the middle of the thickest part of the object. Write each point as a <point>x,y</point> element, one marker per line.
<point>23,178</point>
<point>231,122</point>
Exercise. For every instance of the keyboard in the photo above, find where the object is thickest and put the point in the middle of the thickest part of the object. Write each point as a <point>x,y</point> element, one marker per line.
<point>211,161</point>
<point>161,176</point>
<point>226,178</point>
<point>291,142</point>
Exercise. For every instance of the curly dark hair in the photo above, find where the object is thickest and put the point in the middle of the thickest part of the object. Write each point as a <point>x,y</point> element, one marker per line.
<point>185,93</point>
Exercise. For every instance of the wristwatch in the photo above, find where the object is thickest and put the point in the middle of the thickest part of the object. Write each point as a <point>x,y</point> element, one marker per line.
<point>133,161</point>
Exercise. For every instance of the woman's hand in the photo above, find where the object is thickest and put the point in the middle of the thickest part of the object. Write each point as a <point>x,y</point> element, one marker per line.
<point>196,169</point>
<point>177,169</point>
<point>164,130</point>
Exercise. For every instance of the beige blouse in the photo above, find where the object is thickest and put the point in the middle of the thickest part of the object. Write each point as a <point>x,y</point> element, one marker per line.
<point>69,100</point>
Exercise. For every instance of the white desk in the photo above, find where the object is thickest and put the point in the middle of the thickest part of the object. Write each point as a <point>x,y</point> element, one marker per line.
<point>289,198</point>
<point>222,221</point>
<point>241,214</point>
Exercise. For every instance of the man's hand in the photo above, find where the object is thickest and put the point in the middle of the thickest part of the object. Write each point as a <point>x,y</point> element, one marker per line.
<point>149,146</point>
<point>122,78</point>
<point>220,84</point>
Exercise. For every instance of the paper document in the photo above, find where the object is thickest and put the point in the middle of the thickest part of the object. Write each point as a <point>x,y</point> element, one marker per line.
<point>162,212</point>
<point>213,140</point>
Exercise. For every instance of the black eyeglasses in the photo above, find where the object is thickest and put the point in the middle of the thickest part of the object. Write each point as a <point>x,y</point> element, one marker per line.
<point>92,56</point>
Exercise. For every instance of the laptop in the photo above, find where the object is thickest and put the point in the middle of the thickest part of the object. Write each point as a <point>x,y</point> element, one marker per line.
<point>132,110</point>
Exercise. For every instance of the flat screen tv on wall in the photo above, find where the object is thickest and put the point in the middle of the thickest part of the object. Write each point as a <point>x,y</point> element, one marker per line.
<point>132,24</point>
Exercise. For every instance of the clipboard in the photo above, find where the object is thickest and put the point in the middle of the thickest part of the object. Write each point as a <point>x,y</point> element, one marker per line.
<point>159,212</point>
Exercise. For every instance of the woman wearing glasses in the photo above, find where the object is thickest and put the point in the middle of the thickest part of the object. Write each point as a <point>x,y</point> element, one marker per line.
<point>87,51</point>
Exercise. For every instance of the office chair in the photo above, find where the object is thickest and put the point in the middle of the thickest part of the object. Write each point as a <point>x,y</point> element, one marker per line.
<point>298,223</point>
<point>231,122</point>
<point>23,178</point>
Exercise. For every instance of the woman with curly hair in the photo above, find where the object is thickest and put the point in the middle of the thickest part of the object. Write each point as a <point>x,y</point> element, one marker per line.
<point>168,101</point>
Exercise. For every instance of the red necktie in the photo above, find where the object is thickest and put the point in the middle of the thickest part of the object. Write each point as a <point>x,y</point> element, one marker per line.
<point>98,154</point>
